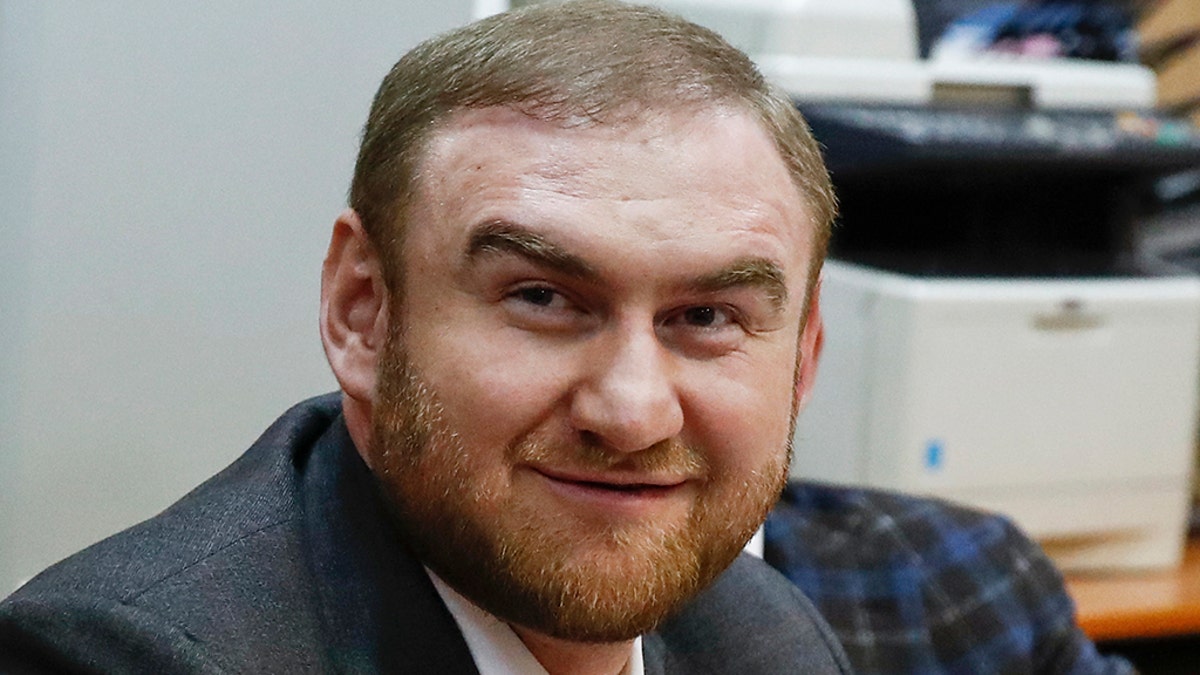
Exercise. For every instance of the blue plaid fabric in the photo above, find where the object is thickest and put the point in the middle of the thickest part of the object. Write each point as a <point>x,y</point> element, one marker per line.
<point>915,585</point>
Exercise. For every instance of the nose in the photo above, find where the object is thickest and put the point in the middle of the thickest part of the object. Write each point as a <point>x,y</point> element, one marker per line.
<point>628,398</point>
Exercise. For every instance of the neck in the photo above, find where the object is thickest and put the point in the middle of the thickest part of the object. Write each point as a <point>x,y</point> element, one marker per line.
<point>562,657</point>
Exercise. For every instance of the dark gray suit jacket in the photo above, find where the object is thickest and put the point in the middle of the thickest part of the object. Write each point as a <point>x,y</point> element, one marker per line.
<point>287,562</point>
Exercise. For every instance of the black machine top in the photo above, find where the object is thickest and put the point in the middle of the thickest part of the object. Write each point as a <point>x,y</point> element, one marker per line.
<point>888,138</point>
<point>996,192</point>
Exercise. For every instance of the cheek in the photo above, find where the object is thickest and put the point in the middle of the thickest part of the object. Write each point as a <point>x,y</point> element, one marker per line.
<point>744,422</point>
<point>493,386</point>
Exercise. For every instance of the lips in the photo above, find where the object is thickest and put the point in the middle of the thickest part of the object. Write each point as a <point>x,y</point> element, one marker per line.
<point>615,482</point>
<point>646,489</point>
<point>616,494</point>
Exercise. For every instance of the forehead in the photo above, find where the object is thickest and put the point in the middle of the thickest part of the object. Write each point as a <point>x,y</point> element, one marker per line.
<point>671,176</point>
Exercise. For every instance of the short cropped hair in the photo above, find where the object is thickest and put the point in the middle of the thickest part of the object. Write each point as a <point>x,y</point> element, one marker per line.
<point>585,62</point>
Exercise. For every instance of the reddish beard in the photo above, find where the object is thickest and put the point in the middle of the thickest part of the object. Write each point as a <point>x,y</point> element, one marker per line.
<point>551,572</point>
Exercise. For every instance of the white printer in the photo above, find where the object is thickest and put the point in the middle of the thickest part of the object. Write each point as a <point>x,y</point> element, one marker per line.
<point>1067,404</point>
<point>992,337</point>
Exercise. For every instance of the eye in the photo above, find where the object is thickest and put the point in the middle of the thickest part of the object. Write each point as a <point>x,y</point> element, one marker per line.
<point>706,316</point>
<point>703,331</point>
<point>540,307</point>
<point>538,295</point>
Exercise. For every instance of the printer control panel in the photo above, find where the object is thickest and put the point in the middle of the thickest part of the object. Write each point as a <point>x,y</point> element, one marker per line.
<point>1132,140</point>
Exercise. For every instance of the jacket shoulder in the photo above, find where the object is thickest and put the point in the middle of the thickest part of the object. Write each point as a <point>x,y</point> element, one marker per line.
<point>751,620</point>
<point>170,590</point>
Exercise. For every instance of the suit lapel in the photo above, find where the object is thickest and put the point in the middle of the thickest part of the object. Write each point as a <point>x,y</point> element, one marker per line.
<point>654,654</point>
<point>380,612</point>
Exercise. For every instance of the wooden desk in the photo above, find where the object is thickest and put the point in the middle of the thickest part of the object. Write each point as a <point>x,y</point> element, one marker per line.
<point>1140,605</point>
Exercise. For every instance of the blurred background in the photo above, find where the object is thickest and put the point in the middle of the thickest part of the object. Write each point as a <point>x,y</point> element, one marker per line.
<point>169,174</point>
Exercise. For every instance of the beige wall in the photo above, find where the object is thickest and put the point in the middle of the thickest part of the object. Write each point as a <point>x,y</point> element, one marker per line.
<point>168,176</point>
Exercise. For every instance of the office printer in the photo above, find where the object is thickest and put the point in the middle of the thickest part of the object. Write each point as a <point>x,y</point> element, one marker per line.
<point>992,338</point>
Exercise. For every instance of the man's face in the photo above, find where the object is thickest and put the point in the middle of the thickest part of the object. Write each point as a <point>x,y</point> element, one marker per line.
<point>585,402</point>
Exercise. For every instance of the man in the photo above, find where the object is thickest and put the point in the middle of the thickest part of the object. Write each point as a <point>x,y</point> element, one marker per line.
<point>572,312</point>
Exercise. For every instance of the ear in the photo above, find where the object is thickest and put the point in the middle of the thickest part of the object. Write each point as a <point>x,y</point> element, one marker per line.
<point>812,341</point>
<point>354,314</point>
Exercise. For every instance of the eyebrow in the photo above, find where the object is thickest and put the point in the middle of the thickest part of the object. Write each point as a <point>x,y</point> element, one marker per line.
<point>755,272</point>
<point>504,237</point>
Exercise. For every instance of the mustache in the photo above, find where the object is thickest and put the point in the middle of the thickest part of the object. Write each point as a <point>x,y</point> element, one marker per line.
<point>671,456</point>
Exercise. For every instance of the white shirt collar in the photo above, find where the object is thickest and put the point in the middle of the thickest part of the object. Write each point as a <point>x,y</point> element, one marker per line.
<point>494,646</point>
<point>756,544</point>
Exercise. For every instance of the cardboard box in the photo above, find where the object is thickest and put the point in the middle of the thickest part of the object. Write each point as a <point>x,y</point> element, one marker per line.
<point>1164,24</point>
<point>1179,76</point>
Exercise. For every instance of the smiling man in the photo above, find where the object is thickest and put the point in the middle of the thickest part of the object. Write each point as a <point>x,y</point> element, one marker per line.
<point>572,312</point>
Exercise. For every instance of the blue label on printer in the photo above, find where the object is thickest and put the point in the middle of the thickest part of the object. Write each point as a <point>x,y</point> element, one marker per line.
<point>935,454</point>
